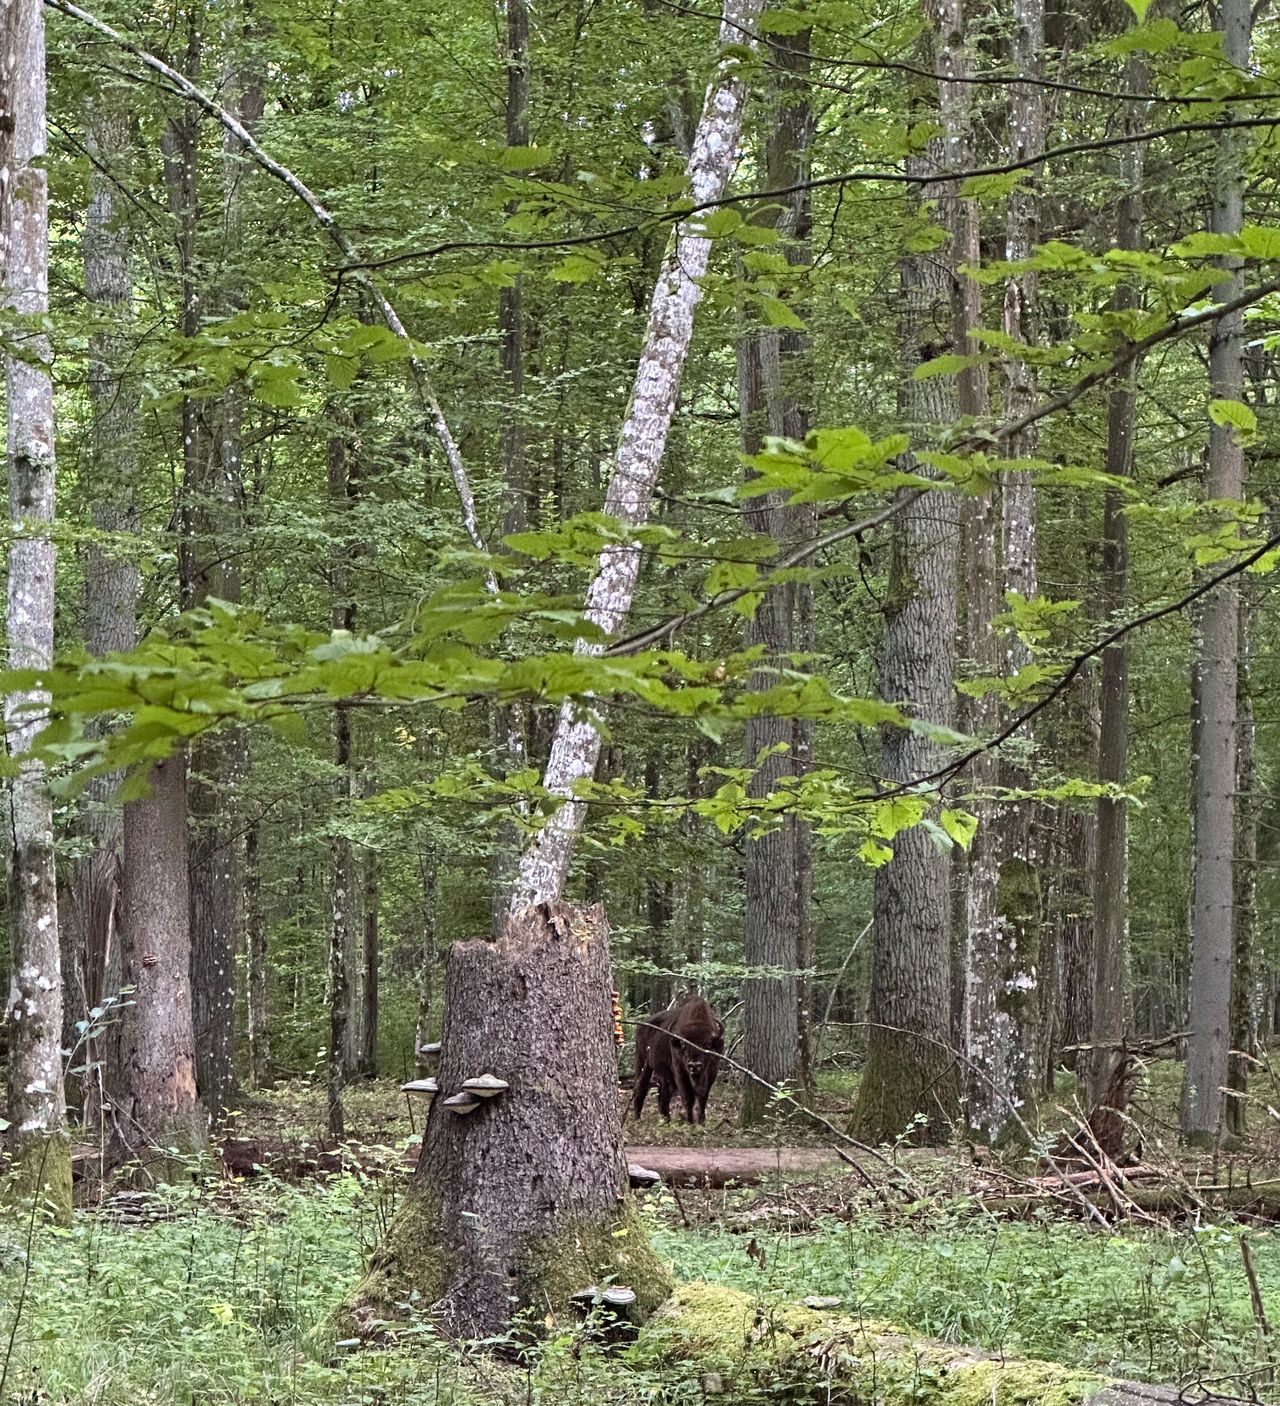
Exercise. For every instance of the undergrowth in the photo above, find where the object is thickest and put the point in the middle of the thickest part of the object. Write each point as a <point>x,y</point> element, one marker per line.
<point>221,1295</point>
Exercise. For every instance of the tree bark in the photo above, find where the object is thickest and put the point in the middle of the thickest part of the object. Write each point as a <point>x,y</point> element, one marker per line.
<point>521,1203</point>
<point>256,958</point>
<point>216,499</point>
<point>910,1081</point>
<point>1111,1015</point>
<point>575,748</point>
<point>426,972</point>
<point>369,949</point>
<point>1243,1022</point>
<point>158,1113</point>
<point>778,864</point>
<point>37,1135</point>
<point>1215,723</point>
<point>111,593</point>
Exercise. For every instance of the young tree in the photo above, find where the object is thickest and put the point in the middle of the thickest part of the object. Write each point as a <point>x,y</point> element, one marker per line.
<point>1215,718</point>
<point>38,1141</point>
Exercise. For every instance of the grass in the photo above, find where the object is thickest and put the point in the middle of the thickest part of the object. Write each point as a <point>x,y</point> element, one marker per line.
<point>225,1299</point>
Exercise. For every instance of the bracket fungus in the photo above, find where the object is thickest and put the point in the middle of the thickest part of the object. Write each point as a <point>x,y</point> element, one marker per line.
<point>462,1102</point>
<point>420,1086</point>
<point>485,1086</point>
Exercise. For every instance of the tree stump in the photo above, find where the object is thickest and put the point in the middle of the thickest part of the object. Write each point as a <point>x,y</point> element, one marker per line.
<point>520,1203</point>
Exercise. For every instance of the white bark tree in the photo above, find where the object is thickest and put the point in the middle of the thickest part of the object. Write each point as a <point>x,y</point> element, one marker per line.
<point>575,748</point>
<point>37,1110</point>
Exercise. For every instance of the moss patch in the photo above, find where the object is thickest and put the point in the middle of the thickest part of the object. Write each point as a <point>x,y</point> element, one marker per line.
<point>747,1349</point>
<point>410,1266</point>
<point>40,1171</point>
<point>615,1250</point>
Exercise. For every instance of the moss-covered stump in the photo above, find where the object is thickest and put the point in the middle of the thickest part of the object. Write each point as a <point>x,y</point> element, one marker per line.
<point>520,1202</point>
<point>738,1347</point>
<point>38,1171</point>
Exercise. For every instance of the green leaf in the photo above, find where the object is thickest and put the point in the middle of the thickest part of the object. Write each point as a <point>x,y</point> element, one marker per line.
<point>960,825</point>
<point>992,187</point>
<point>1139,8</point>
<point>778,314</point>
<point>1261,241</point>
<point>949,364</point>
<point>721,222</point>
<point>1236,414</point>
<point>521,158</point>
<point>576,268</point>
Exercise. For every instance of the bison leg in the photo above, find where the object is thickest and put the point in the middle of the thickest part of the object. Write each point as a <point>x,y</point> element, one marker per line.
<point>664,1098</point>
<point>644,1078</point>
<point>685,1085</point>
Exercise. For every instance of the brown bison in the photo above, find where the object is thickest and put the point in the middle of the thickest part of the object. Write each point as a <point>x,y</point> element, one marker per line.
<point>680,1050</point>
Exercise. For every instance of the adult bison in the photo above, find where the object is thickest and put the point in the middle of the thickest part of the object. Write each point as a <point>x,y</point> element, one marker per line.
<point>679,1049</point>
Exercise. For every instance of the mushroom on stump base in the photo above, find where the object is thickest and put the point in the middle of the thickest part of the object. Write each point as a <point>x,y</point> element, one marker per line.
<point>521,1202</point>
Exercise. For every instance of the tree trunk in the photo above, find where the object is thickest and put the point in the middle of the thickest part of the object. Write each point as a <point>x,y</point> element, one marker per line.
<point>575,748</point>
<point>343,489</point>
<point>910,1084</point>
<point>37,1135</point>
<point>369,948</point>
<point>1214,736</point>
<point>111,595</point>
<point>508,720</point>
<point>256,954</point>
<point>158,1113</point>
<point>778,864</point>
<point>1013,1068</point>
<point>1111,1015</point>
<point>426,974</point>
<point>1243,1024</point>
<point>521,1203</point>
<point>215,499</point>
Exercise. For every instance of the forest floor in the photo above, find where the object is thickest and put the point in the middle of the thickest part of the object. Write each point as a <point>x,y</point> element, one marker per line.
<point>219,1292</point>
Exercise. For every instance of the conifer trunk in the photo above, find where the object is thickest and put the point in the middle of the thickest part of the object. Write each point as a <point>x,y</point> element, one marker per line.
<point>1215,717</point>
<point>1111,1019</point>
<point>256,955</point>
<point>523,1202</point>
<point>37,1134</point>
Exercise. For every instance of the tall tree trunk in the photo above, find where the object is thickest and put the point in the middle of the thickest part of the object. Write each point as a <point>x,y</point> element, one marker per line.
<point>343,492</point>
<point>111,589</point>
<point>1111,1016</point>
<point>1013,1049</point>
<point>429,864</point>
<point>575,748</point>
<point>159,1111</point>
<point>1243,1023</point>
<point>509,721</point>
<point>216,514</point>
<point>521,1202</point>
<point>37,1134</point>
<point>256,959</point>
<point>369,948</point>
<point>910,1081</point>
<point>1214,735</point>
<point>778,864</point>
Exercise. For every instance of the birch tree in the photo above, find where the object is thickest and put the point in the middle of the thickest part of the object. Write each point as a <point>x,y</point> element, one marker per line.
<point>37,1110</point>
<point>575,747</point>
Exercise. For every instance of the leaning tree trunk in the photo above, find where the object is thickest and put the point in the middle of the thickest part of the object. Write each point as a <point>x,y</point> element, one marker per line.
<point>575,749</point>
<point>1214,727</point>
<point>521,1203</point>
<point>1110,976</point>
<point>158,1112</point>
<point>37,1109</point>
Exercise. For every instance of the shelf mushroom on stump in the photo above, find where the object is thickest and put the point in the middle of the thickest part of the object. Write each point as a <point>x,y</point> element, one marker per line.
<point>519,1203</point>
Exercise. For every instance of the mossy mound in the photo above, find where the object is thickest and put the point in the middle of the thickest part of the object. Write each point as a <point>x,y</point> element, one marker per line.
<point>413,1269</point>
<point>744,1349</point>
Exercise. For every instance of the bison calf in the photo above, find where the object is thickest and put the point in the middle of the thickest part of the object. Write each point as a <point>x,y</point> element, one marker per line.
<point>679,1050</point>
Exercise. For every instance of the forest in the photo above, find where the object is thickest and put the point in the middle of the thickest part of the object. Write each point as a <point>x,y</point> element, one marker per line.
<point>639,649</point>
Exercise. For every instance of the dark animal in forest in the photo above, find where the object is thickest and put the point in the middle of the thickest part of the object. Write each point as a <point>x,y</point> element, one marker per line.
<point>679,1050</point>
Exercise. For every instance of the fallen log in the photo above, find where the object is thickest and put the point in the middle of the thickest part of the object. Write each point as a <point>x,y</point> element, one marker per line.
<point>732,1343</point>
<point>1261,1198</point>
<point>737,1166</point>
